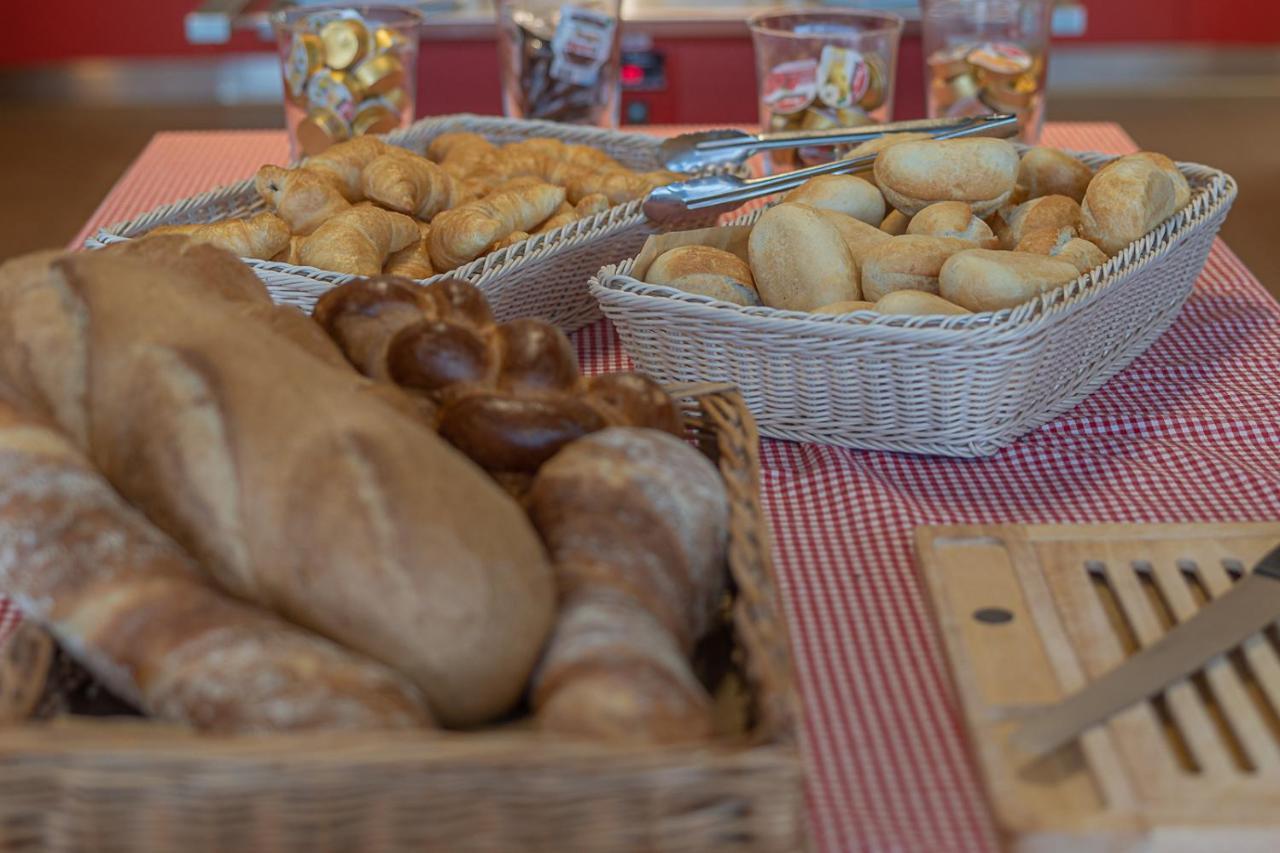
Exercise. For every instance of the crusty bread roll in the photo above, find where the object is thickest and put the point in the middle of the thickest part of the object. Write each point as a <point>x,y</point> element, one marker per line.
<point>842,193</point>
<point>952,219</point>
<point>706,271</point>
<point>1061,243</point>
<point>875,146</point>
<point>1125,200</point>
<point>857,235</point>
<point>896,223</point>
<point>289,482</point>
<point>916,302</point>
<point>988,280</point>
<point>1048,171</point>
<point>846,307</point>
<point>1049,211</point>
<point>799,259</point>
<point>908,262</point>
<point>1181,189</point>
<point>914,175</point>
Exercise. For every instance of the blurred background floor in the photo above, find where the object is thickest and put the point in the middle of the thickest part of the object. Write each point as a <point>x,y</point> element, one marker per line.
<point>59,163</point>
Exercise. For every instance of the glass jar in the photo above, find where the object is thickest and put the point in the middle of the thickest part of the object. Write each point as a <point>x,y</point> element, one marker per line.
<point>347,71</point>
<point>561,61</point>
<point>823,69</point>
<point>984,56</point>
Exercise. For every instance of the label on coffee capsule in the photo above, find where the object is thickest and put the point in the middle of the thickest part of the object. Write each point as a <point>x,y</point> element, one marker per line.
<point>581,44</point>
<point>791,86</point>
<point>843,76</point>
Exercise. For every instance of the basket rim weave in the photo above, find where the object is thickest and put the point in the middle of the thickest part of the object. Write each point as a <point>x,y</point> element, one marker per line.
<point>1216,190</point>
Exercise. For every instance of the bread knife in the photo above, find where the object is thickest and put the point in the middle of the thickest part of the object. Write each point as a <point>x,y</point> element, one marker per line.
<point>1249,606</point>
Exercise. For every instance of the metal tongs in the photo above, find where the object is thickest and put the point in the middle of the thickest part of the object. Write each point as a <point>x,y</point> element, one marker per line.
<point>718,193</point>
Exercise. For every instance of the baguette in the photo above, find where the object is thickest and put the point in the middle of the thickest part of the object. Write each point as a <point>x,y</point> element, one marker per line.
<point>291,484</point>
<point>123,600</point>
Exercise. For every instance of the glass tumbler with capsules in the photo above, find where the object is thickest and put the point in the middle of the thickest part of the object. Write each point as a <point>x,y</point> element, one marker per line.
<point>823,69</point>
<point>561,60</point>
<point>986,56</point>
<point>348,71</point>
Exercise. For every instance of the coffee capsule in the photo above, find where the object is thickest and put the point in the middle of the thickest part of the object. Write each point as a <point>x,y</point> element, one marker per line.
<point>379,74</point>
<point>346,42</point>
<point>375,117</point>
<point>336,91</point>
<point>306,57</point>
<point>320,129</point>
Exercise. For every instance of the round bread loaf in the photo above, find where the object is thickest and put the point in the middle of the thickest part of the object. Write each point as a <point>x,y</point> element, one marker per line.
<point>1125,200</point>
<point>896,223</point>
<point>1049,211</point>
<point>799,259</point>
<point>988,280</point>
<point>952,219</point>
<point>1048,171</point>
<point>846,307</point>
<point>908,262</point>
<point>1061,243</point>
<point>914,175</point>
<point>842,193</point>
<point>916,302</point>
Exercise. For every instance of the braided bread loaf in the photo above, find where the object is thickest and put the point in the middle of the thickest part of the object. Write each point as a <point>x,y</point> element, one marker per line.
<point>509,395</point>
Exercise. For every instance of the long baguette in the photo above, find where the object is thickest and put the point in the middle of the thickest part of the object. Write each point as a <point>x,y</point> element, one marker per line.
<point>288,481</point>
<point>130,606</point>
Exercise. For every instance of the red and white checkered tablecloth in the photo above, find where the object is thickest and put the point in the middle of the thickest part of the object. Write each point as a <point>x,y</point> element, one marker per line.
<point>1190,432</point>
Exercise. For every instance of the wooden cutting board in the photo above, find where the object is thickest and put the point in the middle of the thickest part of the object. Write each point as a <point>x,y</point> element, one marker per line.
<point>1030,613</point>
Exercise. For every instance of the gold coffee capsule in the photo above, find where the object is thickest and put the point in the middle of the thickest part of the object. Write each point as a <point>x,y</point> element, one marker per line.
<point>345,43</point>
<point>336,91</point>
<point>320,129</point>
<point>873,98</point>
<point>375,117</point>
<point>949,62</point>
<point>379,74</point>
<point>387,40</point>
<point>305,58</point>
<point>999,61</point>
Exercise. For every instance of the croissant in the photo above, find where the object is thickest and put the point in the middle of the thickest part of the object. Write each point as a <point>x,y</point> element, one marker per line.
<point>459,153</point>
<point>466,232</point>
<point>302,197</point>
<point>359,240</point>
<point>347,160</point>
<point>410,184</point>
<point>510,240</point>
<point>617,185</point>
<point>413,261</point>
<point>262,236</point>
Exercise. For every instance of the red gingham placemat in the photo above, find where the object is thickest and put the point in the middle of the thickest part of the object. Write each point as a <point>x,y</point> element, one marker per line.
<point>1190,432</point>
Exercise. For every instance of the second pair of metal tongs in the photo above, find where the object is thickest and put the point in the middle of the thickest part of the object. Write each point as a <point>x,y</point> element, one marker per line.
<point>715,193</point>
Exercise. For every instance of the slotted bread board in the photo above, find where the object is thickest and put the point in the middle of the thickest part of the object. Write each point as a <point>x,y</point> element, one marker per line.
<point>1030,613</point>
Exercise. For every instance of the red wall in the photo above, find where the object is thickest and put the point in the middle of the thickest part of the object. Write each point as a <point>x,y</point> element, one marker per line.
<point>1230,21</point>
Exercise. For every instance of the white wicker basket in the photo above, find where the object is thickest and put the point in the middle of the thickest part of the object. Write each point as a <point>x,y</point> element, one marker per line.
<point>956,386</point>
<point>544,276</point>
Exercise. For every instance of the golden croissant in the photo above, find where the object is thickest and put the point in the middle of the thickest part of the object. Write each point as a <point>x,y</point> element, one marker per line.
<point>459,153</point>
<point>359,240</point>
<point>302,197</point>
<point>262,236</point>
<point>347,160</point>
<point>413,261</point>
<point>464,233</point>
<point>410,184</point>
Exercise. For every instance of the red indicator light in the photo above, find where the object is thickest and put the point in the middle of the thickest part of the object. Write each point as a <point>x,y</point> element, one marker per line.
<point>632,74</point>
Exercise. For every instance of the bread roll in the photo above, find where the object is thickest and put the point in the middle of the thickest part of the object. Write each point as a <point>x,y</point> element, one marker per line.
<point>987,280</point>
<point>706,271</point>
<point>1050,211</point>
<point>799,259</point>
<point>875,146</point>
<point>1061,243</point>
<point>916,302</point>
<point>914,175</point>
<point>1048,171</point>
<point>842,193</point>
<point>953,219</point>
<point>858,236</point>
<point>847,307</point>
<point>132,608</point>
<point>1125,200</point>
<point>896,223</point>
<point>1181,189</point>
<point>907,263</point>
<point>290,483</point>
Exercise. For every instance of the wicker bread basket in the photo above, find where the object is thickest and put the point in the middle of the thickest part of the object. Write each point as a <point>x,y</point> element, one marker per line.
<point>956,386</point>
<point>128,785</point>
<point>544,276</point>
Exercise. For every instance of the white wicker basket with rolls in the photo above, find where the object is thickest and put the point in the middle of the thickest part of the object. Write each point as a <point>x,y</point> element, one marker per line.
<point>544,276</point>
<point>956,386</point>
